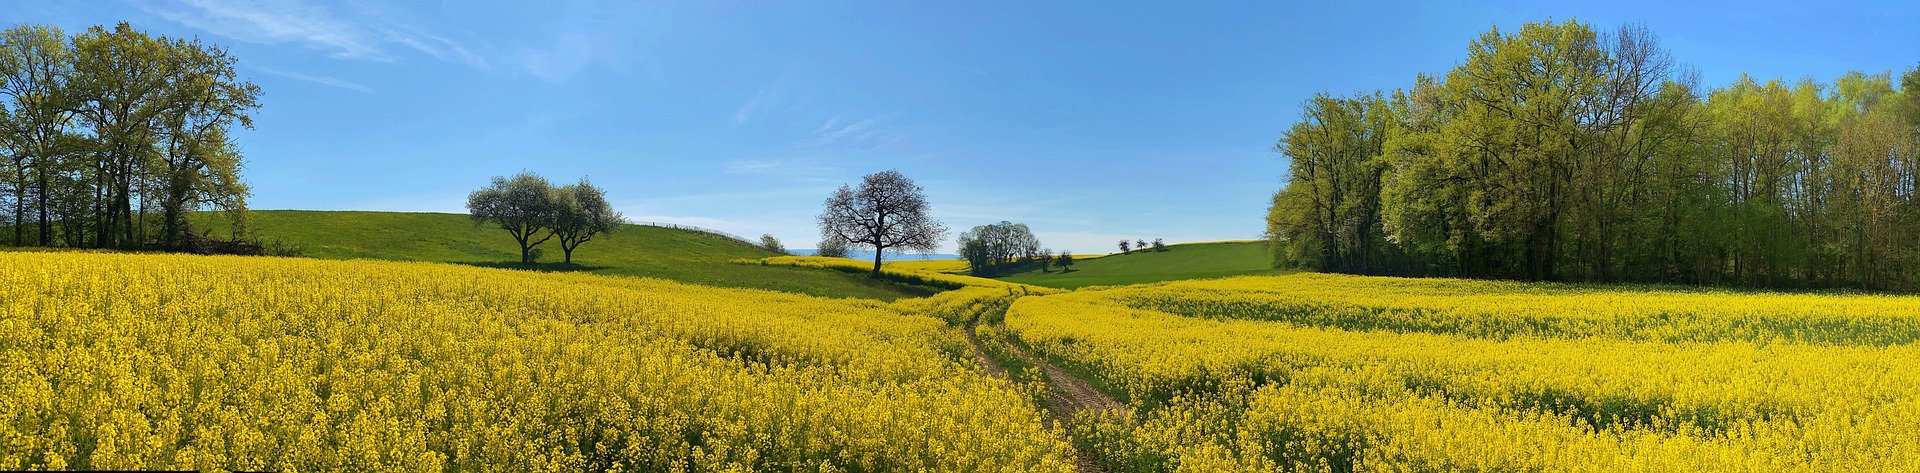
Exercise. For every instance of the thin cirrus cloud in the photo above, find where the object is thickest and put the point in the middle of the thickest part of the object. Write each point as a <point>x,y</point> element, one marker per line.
<point>322,80</point>
<point>363,35</point>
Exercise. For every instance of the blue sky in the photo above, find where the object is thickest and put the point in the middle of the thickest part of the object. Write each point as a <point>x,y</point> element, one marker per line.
<point>1088,121</point>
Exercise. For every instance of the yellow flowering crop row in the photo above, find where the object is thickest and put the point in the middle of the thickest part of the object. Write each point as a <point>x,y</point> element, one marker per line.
<point>1244,391</point>
<point>1499,309</point>
<point>164,361</point>
<point>912,274</point>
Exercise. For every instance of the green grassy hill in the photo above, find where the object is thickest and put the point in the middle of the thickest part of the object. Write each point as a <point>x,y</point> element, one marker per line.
<point>1184,261</point>
<point>635,250</point>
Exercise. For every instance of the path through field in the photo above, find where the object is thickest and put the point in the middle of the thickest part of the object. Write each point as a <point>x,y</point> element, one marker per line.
<point>1068,395</point>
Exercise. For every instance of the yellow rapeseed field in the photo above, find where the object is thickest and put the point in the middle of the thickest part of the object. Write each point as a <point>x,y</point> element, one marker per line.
<point>1340,373</point>
<point>908,273</point>
<point>163,361</point>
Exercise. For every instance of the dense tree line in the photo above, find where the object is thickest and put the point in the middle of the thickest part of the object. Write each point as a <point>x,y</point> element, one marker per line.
<point>112,138</point>
<point>1000,247</point>
<point>1559,153</point>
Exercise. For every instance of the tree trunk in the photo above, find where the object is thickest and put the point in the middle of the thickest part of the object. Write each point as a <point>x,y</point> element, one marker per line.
<point>20,210</point>
<point>46,226</point>
<point>568,251</point>
<point>877,251</point>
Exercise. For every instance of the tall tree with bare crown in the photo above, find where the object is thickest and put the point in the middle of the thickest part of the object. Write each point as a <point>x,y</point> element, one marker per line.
<point>887,211</point>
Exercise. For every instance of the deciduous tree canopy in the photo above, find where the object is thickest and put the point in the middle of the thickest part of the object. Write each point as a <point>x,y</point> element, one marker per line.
<point>114,137</point>
<point>992,246</point>
<point>1559,153</point>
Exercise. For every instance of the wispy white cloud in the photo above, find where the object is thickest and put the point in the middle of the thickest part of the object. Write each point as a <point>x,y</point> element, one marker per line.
<point>840,132</point>
<point>828,126</point>
<point>806,169</point>
<point>322,80</point>
<point>274,21</point>
<point>568,55</point>
<point>365,34</point>
<point>752,106</point>
<point>855,129</point>
<point>434,45</point>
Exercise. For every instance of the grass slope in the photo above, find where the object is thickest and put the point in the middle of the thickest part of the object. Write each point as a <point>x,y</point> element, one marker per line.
<point>635,250</point>
<point>1183,261</point>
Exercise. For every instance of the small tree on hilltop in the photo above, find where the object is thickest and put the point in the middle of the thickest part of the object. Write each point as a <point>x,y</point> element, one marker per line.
<point>1126,247</point>
<point>521,205</point>
<point>581,212</point>
<point>1064,261</point>
<point>832,247</point>
<point>888,211</point>
<point>1159,245</point>
<point>1140,245</point>
<point>772,244</point>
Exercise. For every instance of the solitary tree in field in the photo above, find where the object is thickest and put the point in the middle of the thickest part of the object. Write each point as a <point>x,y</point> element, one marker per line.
<point>772,244</point>
<point>1126,247</point>
<point>1064,261</point>
<point>580,212</point>
<point>832,247</point>
<point>521,205</point>
<point>888,211</point>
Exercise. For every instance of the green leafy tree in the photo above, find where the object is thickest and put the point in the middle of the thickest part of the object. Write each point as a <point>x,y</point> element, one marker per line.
<point>1560,153</point>
<point>993,247</point>
<point>581,212</point>
<point>832,246</point>
<point>772,244</point>
<point>36,64</point>
<point>523,205</point>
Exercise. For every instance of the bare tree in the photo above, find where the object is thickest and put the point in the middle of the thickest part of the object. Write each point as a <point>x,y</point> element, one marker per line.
<point>888,211</point>
<point>580,212</point>
<point>1126,247</point>
<point>1064,261</point>
<point>522,205</point>
<point>1159,245</point>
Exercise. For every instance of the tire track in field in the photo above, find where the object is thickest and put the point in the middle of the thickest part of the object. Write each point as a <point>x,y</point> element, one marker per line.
<point>1068,396</point>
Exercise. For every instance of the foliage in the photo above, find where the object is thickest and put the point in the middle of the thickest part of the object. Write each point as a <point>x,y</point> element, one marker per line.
<point>523,205</point>
<point>772,244</point>
<point>118,361</point>
<point>1559,153</point>
<point>113,137</point>
<point>534,211</point>
<point>888,211</point>
<point>833,247</point>
<point>581,212</point>
<point>994,248</point>
<point>1350,373</point>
